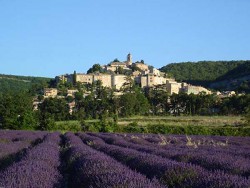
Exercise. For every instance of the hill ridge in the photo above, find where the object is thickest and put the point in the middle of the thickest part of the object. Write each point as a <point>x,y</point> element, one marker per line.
<point>221,75</point>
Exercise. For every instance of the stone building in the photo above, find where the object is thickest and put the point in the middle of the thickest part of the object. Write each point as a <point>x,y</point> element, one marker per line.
<point>118,81</point>
<point>187,88</point>
<point>155,71</point>
<point>64,78</point>
<point>173,87</point>
<point>84,78</point>
<point>113,66</point>
<point>50,92</point>
<point>106,79</point>
<point>129,60</point>
<point>71,92</point>
<point>141,66</point>
<point>90,78</point>
<point>151,80</point>
<point>72,106</point>
<point>140,73</point>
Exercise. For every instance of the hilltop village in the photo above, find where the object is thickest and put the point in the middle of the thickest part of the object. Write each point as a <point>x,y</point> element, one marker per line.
<point>117,75</point>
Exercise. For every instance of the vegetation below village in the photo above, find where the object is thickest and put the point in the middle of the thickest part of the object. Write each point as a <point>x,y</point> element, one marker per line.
<point>102,111</point>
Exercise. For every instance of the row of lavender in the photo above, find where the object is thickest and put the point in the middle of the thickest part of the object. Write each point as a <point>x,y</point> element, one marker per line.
<point>12,142</point>
<point>211,158</point>
<point>41,166</point>
<point>38,167</point>
<point>237,148</point>
<point>167,171</point>
<point>91,168</point>
<point>124,160</point>
<point>233,144</point>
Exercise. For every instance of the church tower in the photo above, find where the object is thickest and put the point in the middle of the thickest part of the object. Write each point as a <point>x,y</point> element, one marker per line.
<point>129,60</point>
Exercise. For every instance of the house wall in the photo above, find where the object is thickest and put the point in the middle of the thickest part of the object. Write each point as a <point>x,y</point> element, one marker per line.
<point>50,92</point>
<point>84,78</point>
<point>118,81</point>
<point>104,78</point>
<point>141,66</point>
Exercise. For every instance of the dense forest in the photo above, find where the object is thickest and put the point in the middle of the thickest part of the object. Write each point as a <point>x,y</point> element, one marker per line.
<point>219,75</point>
<point>12,83</point>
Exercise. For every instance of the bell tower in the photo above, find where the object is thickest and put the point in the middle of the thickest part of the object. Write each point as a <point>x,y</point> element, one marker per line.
<point>129,59</point>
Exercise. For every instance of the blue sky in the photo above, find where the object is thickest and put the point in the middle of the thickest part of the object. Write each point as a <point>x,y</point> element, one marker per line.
<point>53,37</point>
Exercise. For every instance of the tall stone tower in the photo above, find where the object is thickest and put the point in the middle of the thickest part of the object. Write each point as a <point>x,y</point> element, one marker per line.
<point>129,59</point>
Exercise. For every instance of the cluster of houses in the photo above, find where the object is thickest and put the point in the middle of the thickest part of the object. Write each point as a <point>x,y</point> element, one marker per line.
<point>138,72</point>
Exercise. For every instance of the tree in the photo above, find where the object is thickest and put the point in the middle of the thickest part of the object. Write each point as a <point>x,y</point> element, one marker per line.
<point>178,103</point>
<point>133,103</point>
<point>235,105</point>
<point>158,100</point>
<point>127,104</point>
<point>95,68</point>
<point>74,78</point>
<point>85,126</point>
<point>78,96</point>
<point>69,99</point>
<point>120,70</point>
<point>247,116</point>
<point>46,121</point>
<point>16,111</point>
<point>116,60</point>
<point>57,108</point>
<point>142,104</point>
<point>129,85</point>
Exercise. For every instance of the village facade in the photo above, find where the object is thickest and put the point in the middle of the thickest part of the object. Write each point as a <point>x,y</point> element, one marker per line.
<point>143,75</point>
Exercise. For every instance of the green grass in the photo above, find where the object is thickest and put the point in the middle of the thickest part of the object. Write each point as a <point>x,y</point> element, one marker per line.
<point>210,121</point>
<point>65,126</point>
<point>198,125</point>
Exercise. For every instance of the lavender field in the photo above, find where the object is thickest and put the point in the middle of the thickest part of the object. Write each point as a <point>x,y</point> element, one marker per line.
<point>45,159</point>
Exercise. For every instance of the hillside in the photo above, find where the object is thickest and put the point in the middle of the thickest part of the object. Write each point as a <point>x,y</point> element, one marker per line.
<point>220,75</point>
<point>12,83</point>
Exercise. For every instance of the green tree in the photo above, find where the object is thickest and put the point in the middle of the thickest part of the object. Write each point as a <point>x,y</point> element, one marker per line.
<point>74,78</point>
<point>178,103</point>
<point>133,103</point>
<point>158,100</point>
<point>116,60</point>
<point>127,104</point>
<point>57,108</point>
<point>247,116</point>
<point>120,70</point>
<point>16,111</point>
<point>69,99</point>
<point>142,104</point>
<point>95,68</point>
<point>46,121</point>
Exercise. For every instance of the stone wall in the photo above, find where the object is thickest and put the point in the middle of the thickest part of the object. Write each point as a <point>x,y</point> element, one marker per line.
<point>151,80</point>
<point>195,89</point>
<point>105,79</point>
<point>84,78</point>
<point>50,92</point>
<point>118,81</point>
<point>141,66</point>
<point>173,87</point>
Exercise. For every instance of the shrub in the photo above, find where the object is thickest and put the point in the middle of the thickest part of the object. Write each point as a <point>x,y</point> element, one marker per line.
<point>133,128</point>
